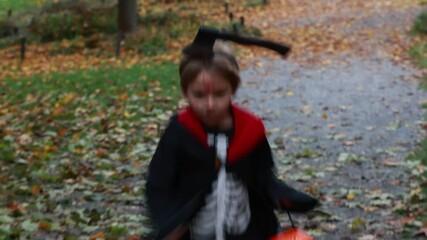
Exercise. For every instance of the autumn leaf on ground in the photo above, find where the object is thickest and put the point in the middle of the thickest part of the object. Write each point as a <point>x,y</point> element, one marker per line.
<point>422,232</point>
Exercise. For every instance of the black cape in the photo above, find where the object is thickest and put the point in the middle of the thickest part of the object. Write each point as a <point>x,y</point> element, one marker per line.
<point>182,170</point>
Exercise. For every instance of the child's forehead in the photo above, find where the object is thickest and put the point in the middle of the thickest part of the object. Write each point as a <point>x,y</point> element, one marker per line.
<point>209,76</point>
<point>209,80</point>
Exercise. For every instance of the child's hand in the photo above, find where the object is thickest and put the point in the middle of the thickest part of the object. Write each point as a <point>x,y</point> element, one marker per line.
<point>177,233</point>
<point>297,202</point>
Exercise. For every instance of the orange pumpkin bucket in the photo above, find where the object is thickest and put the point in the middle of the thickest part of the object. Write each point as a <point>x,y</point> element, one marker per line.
<point>292,234</point>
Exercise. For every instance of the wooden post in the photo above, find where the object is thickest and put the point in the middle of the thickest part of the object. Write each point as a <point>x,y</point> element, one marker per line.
<point>11,30</point>
<point>120,37</point>
<point>235,28</point>
<point>231,16</point>
<point>242,21</point>
<point>127,21</point>
<point>127,15</point>
<point>23,47</point>
<point>226,8</point>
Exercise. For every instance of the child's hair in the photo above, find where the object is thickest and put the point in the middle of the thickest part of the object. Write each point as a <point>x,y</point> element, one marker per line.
<point>222,63</point>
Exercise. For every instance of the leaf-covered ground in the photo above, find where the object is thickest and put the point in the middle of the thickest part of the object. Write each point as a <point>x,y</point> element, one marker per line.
<point>77,130</point>
<point>73,151</point>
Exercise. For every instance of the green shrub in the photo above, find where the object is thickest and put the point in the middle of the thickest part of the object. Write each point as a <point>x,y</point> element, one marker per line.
<point>6,151</point>
<point>157,29</point>
<point>18,6</point>
<point>160,19</point>
<point>153,47</point>
<point>419,53</point>
<point>7,29</point>
<point>74,22</point>
<point>421,153</point>
<point>420,24</point>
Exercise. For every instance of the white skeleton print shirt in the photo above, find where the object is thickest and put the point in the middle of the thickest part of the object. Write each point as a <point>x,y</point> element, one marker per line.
<point>227,207</point>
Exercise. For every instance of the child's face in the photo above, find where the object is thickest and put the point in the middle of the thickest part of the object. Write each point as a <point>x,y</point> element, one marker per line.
<point>209,96</point>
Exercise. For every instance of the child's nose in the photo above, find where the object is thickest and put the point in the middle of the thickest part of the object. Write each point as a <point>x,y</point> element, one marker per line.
<point>210,103</point>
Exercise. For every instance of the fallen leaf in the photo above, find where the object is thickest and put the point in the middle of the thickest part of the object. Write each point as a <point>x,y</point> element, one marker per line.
<point>99,235</point>
<point>16,207</point>
<point>406,220</point>
<point>391,163</point>
<point>351,196</point>
<point>369,208</point>
<point>325,115</point>
<point>367,237</point>
<point>422,232</point>
<point>29,226</point>
<point>133,237</point>
<point>101,153</point>
<point>24,139</point>
<point>357,224</point>
<point>36,189</point>
<point>45,226</point>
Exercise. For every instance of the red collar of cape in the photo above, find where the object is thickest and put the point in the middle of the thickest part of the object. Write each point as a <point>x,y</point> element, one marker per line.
<point>249,131</point>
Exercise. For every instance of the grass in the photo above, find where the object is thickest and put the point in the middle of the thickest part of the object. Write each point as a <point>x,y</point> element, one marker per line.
<point>420,24</point>
<point>18,6</point>
<point>86,133</point>
<point>418,52</point>
<point>421,153</point>
<point>104,82</point>
<point>416,204</point>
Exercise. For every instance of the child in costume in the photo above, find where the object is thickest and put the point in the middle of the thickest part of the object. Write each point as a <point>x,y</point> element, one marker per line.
<point>212,175</point>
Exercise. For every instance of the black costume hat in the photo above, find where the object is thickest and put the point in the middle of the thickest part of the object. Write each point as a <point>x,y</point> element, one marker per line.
<point>202,45</point>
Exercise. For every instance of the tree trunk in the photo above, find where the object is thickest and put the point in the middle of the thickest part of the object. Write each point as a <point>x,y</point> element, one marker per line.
<point>127,15</point>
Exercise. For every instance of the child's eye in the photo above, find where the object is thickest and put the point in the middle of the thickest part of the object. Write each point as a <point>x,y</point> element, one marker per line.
<point>198,94</point>
<point>220,94</point>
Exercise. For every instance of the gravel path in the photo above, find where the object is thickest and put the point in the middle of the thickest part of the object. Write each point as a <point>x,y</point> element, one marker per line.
<point>342,132</point>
